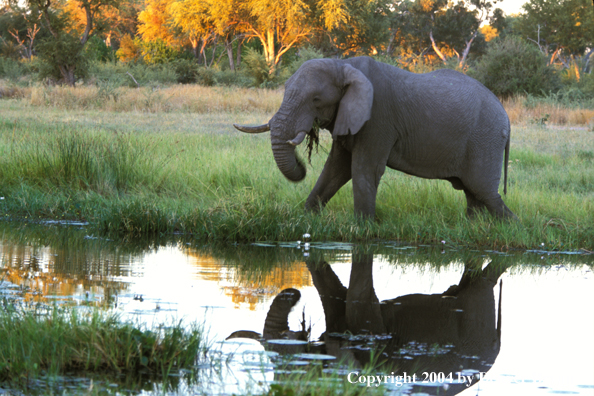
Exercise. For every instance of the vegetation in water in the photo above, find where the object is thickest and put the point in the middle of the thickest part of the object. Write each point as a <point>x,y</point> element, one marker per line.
<point>56,341</point>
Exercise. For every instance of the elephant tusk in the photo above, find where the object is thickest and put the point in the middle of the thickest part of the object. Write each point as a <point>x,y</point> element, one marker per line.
<point>252,129</point>
<point>298,139</point>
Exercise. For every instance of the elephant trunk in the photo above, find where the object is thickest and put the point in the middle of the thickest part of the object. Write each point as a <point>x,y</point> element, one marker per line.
<point>287,160</point>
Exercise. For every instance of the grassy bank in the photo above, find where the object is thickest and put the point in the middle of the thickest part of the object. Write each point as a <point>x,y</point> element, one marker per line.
<point>187,170</point>
<point>54,343</point>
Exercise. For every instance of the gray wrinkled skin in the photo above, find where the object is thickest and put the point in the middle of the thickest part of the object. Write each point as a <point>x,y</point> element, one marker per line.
<point>439,125</point>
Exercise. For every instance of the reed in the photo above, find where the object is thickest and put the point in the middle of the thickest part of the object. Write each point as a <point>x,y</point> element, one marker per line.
<point>58,341</point>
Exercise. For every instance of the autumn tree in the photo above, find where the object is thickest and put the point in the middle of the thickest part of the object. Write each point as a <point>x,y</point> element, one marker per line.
<point>193,18</point>
<point>155,22</point>
<point>278,24</point>
<point>227,17</point>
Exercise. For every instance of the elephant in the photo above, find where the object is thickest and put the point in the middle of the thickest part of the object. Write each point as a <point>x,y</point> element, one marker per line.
<point>439,125</point>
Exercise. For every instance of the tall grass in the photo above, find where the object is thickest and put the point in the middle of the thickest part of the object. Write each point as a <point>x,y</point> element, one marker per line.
<point>138,174</point>
<point>64,341</point>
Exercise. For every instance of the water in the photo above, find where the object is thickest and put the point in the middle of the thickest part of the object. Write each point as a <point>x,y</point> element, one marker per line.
<point>523,327</point>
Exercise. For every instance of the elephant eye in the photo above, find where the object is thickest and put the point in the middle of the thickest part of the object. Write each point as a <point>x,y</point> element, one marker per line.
<point>317,101</point>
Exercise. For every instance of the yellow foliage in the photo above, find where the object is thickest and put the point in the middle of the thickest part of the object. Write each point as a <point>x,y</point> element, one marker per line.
<point>155,21</point>
<point>489,32</point>
<point>128,50</point>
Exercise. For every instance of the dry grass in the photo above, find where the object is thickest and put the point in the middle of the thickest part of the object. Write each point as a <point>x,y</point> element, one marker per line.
<point>521,114</point>
<point>175,98</point>
<point>200,99</point>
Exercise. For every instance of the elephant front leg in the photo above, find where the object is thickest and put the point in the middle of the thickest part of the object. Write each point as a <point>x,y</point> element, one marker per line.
<point>366,172</point>
<point>336,173</point>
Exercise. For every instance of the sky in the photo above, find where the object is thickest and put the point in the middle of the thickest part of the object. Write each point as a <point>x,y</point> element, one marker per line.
<point>511,6</point>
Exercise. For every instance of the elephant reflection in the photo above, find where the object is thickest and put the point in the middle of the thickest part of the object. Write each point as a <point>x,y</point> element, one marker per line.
<point>452,332</point>
<point>448,332</point>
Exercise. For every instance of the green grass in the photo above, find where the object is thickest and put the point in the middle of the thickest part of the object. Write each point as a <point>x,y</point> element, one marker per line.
<point>60,341</point>
<point>137,174</point>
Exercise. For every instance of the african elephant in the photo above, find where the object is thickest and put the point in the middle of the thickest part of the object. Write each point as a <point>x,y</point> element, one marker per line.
<point>439,125</point>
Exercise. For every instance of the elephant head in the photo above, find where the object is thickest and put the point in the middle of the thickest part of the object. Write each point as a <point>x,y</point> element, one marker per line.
<point>334,95</point>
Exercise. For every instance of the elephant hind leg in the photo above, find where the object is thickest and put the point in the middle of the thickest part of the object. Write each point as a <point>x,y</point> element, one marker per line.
<point>473,205</point>
<point>494,205</point>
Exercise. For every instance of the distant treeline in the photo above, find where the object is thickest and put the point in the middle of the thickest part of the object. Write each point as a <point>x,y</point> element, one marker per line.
<point>542,51</point>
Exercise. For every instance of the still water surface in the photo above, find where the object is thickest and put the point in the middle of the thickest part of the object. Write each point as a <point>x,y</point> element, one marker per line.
<point>524,321</point>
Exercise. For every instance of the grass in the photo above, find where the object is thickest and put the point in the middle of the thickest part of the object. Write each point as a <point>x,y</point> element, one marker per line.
<point>57,342</point>
<point>144,170</point>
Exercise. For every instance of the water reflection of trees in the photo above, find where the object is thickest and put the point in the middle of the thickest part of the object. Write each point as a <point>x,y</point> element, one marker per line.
<point>55,260</point>
<point>67,260</point>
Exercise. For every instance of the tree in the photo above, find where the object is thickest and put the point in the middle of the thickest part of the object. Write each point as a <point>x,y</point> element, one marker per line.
<point>278,24</point>
<point>227,17</point>
<point>511,66</point>
<point>565,27</point>
<point>193,18</point>
<point>448,29</point>
<point>63,50</point>
<point>155,22</point>
<point>363,27</point>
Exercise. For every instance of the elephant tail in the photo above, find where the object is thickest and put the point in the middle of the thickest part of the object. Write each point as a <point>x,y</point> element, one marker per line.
<point>506,163</point>
<point>499,311</point>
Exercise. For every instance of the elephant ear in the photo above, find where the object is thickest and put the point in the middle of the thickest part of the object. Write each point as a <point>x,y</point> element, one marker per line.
<point>355,107</point>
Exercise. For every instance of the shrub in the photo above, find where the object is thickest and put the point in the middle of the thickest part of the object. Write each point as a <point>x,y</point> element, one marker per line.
<point>158,52</point>
<point>97,50</point>
<point>258,68</point>
<point>206,76</point>
<point>186,70</point>
<point>512,66</point>
<point>11,69</point>
<point>303,55</point>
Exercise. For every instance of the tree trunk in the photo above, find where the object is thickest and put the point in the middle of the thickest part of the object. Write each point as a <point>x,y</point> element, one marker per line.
<point>269,50</point>
<point>67,73</point>
<point>588,60</point>
<point>89,27</point>
<point>229,48</point>
<point>437,51</point>
<point>214,52</point>
<point>202,55</point>
<point>194,42</point>
<point>239,43</point>
<point>467,50</point>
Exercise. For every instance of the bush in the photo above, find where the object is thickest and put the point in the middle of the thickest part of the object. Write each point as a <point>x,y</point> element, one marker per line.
<point>130,50</point>
<point>97,50</point>
<point>186,70</point>
<point>158,52</point>
<point>512,66</point>
<point>258,68</point>
<point>11,69</point>
<point>303,55</point>
<point>231,78</point>
<point>206,76</point>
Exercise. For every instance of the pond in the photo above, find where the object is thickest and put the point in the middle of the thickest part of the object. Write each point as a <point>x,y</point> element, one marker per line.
<point>436,319</point>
